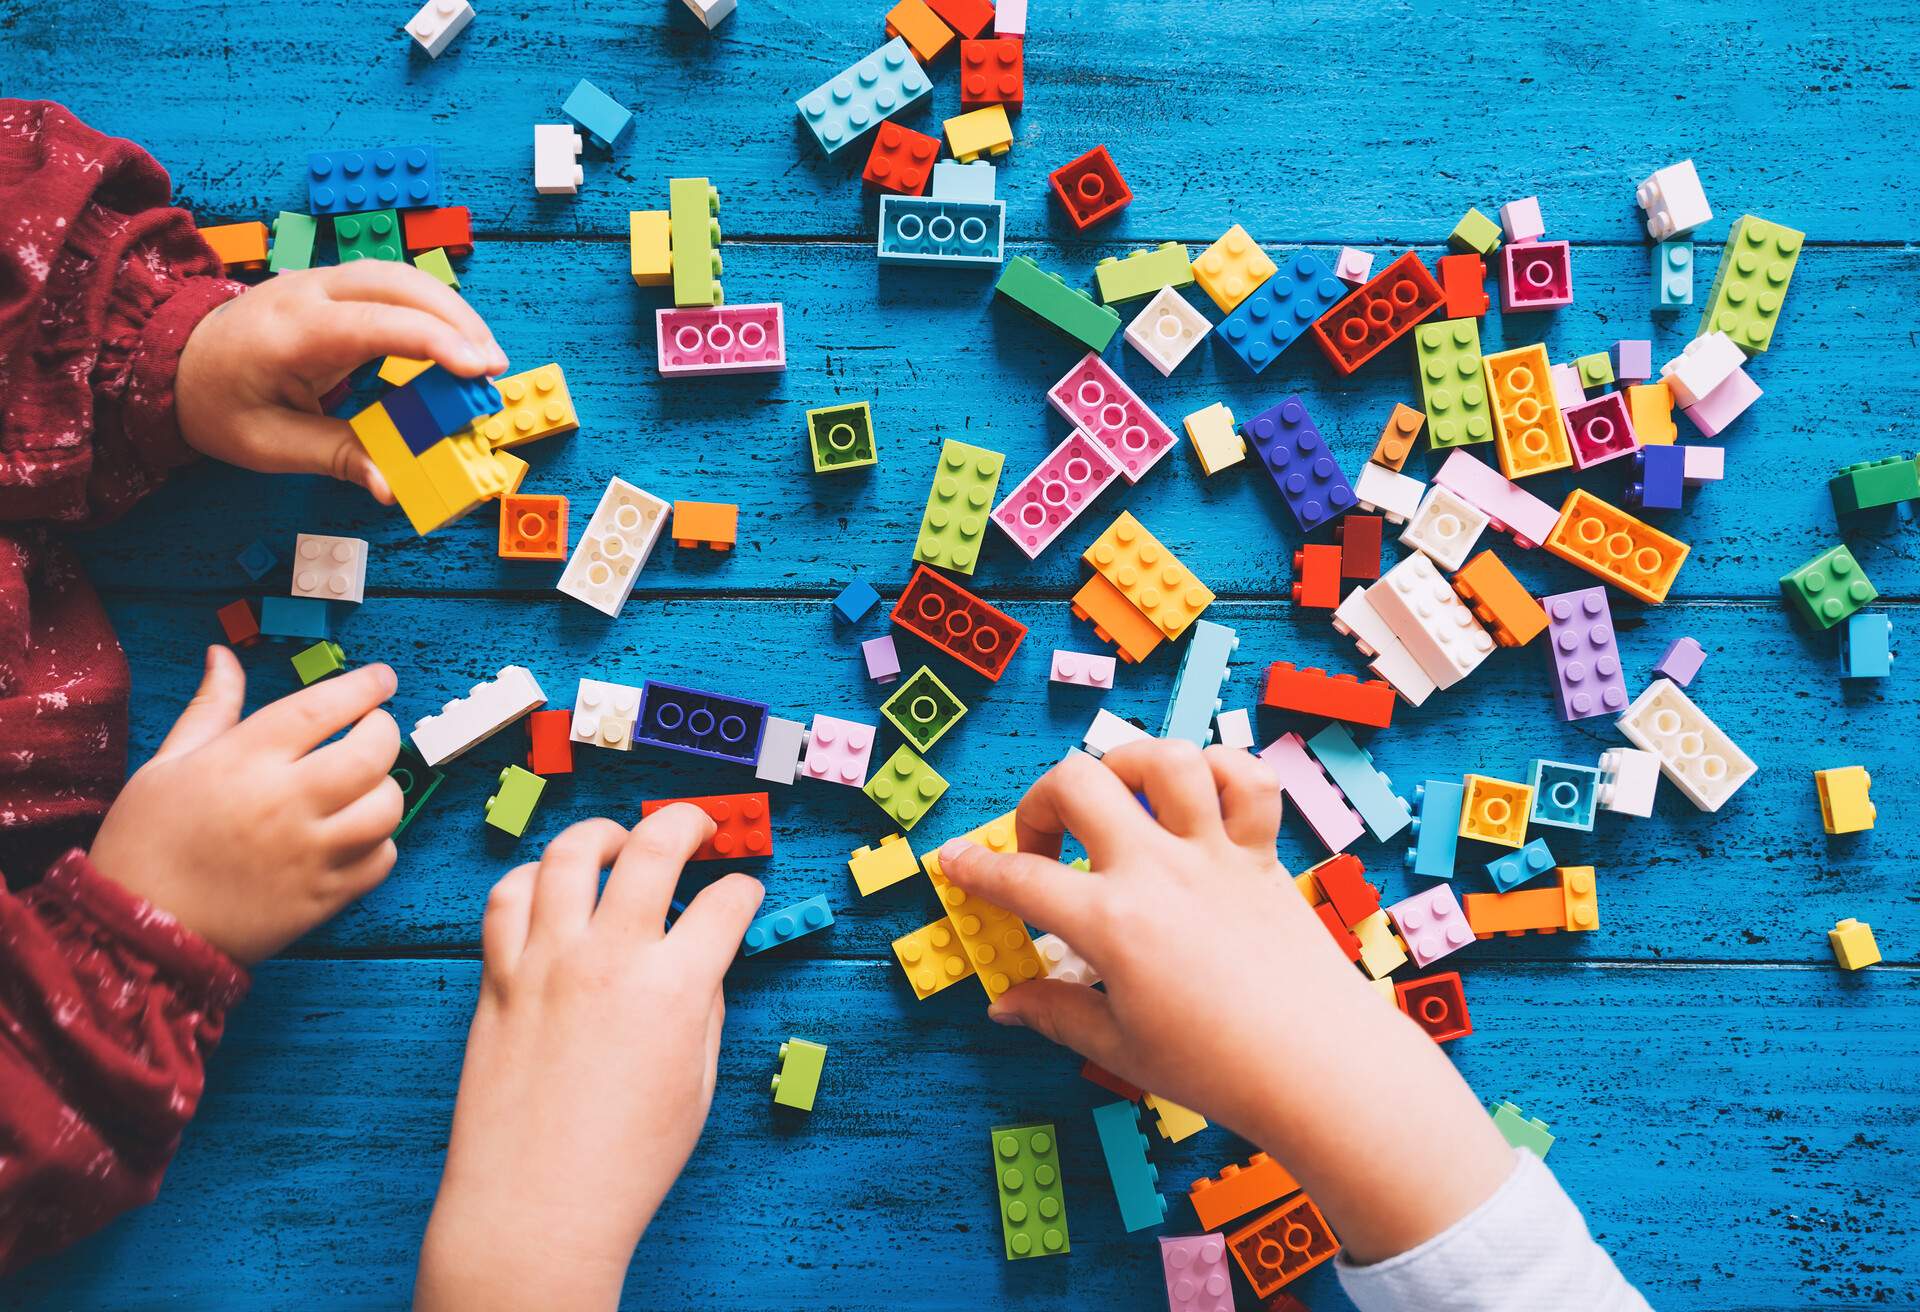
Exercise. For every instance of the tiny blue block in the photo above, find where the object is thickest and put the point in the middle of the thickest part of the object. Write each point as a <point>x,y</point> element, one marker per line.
<point>1369,792</point>
<point>1866,646</point>
<point>1436,828</point>
<point>962,234</point>
<point>784,926</point>
<point>603,119</point>
<point>294,617</point>
<point>854,601</point>
<point>1196,687</point>
<point>1659,478</point>
<point>362,181</point>
<point>1565,796</point>
<point>1279,310</point>
<point>256,560</point>
<point>453,401</point>
<point>1512,869</point>
<point>1673,274</point>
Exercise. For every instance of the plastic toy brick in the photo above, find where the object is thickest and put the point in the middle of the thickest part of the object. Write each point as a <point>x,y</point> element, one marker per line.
<point>1109,731</point>
<point>1612,545</point>
<point>712,524</point>
<point>1713,413</point>
<point>1368,791</point>
<point>1673,200</point>
<point>238,624</point>
<point>1196,684</point>
<point>923,709</point>
<point>901,160</point>
<point>453,402</point>
<point>932,958</point>
<point>513,800</point>
<point>1499,601</point>
<point>1095,1073</point>
<point>1866,646</point>
<point>1511,869</point>
<point>1445,526</point>
<point>399,370</point>
<point>1174,1122</point>
<point>1397,438</point>
<point>1353,267</point>
<point>533,527</point>
<point>1681,661</point>
<point>883,865</point>
<point>1310,480</point>
<point>955,521</point>
<point>1631,360</point>
<point>922,29</point>
<point>798,1082</point>
<point>449,228</point>
<point>1313,795</point>
<point>1135,1179</point>
<point>784,926</point>
<point>979,132</point>
<point>1520,220</point>
<point>1748,288</point>
<point>905,787</point>
<point>1695,756</point>
<point>1530,437</point>
<point>1672,274</point>
<point>556,160</point>
<point>882,658</point>
<point>1565,796</point>
<point>1049,299</point>
<point>1359,539</point>
<point>417,784</point>
<point>1094,397</point>
<point>603,119</point>
<point>1844,804</point>
<point>1316,576</point>
<point>778,761</point>
<point>1394,495</point>
<point>934,608</point>
<point>1659,479</point>
<point>1567,391</point>
<point>1463,284</point>
<point>742,825</point>
<point>1521,1130</point>
<point>1342,880</point>
<point>1042,504</point>
<point>614,547</point>
<point>1476,233</point>
<point>1167,330</point>
<point>293,617</point>
<point>650,247</point>
<point>329,568</point>
<point>361,181</point>
<point>1701,367</point>
<point>256,559</point>
<point>1437,1003</point>
<point>845,106</point>
<point>1142,273</point>
<point>1435,829</point>
<point>699,723</point>
<point>435,263</point>
<point>468,721</point>
<point>1523,911</point>
<point>1628,779</point>
<point>1390,658</point>
<point>1117,620</point>
<point>1586,660</point>
<point>991,73</point>
<point>1214,439</point>
<point>1002,953</point>
<point>855,601</point>
<point>1231,268</point>
<point>1335,696</point>
<point>1150,577</point>
<point>1536,275</point>
<point>1853,945</point>
<point>1082,668</point>
<point>604,714</point>
<point>1237,1190</point>
<point>1278,1246</point>
<point>1873,485</point>
<point>953,180</point>
<point>513,472</point>
<point>1345,939</point>
<point>1828,588</point>
<point>371,236</point>
<point>1196,1270</point>
<point>1432,923</point>
<point>947,233</point>
<point>1063,963</point>
<point>1580,905</point>
<point>709,341</point>
<point>1274,315</point>
<point>1495,810</point>
<point>1377,313</point>
<point>1650,407</point>
<point>693,210</point>
<point>841,437</point>
<point>1599,430</point>
<point>838,751</point>
<point>549,746</point>
<point>319,661</point>
<point>1033,1215</point>
<point>438,23</point>
<point>1453,384</point>
<point>1420,607</point>
<point>967,17</point>
<point>242,247</point>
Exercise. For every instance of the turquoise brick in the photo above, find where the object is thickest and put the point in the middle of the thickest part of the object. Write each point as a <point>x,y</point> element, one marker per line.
<point>1436,828</point>
<point>1369,792</point>
<point>1565,796</point>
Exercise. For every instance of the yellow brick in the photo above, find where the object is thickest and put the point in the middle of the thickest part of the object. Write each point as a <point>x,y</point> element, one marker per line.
<point>882,865</point>
<point>462,471</point>
<point>399,370</point>
<point>537,405</point>
<point>983,130</point>
<point>994,938</point>
<point>1844,805</point>
<point>1650,405</point>
<point>1213,438</point>
<point>1495,811</point>
<point>1150,577</point>
<point>1528,432</point>
<point>425,509</point>
<point>1852,944</point>
<point>1309,888</point>
<point>1174,1121</point>
<point>512,469</point>
<point>650,247</point>
<point>1232,268</point>
<point>932,957</point>
<point>1381,951</point>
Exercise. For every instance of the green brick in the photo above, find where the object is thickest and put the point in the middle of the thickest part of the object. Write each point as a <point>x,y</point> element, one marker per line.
<point>841,437</point>
<point>923,709</point>
<point>374,236</point>
<point>1453,384</point>
<point>1828,588</point>
<point>693,228</point>
<point>435,263</point>
<point>1475,232</point>
<point>1521,1130</point>
<point>318,661</point>
<point>512,803</point>
<point>293,236</point>
<point>1596,370</point>
<point>1046,297</point>
<point>906,787</point>
<point>1751,283</point>
<point>417,782</point>
<point>799,1077</point>
<point>955,522</point>
<point>1026,1174</point>
<point>1143,272</point>
<point>1873,484</point>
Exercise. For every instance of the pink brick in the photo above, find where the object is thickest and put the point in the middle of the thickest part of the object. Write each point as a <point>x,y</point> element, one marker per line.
<point>722,339</point>
<point>1586,660</point>
<point>1511,507</point>
<point>1713,412</point>
<point>1312,793</point>
<point>1354,267</point>
<point>1536,275</point>
<point>1432,924</point>
<point>1082,668</point>
<point>1704,464</point>
<point>1600,430</point>
<point>1520,220</point>
<point>1043,503</point>
<point>1094,397</point>
<point>838,751</point>
<point>1196,1270</point>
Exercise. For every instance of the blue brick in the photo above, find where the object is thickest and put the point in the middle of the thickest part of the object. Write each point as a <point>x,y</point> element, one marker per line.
<point>411,417</point>
<point>1282,308</point>
<point>1512,869</point>
<point>954,233</point>
<point>1436,828</point>
<point>294,617</point>
<point>1290,447</point>
<point>1565,796</point>
<point>1866,646</point>
<point>362,181</point>
<point>602,118</point>
<point>1672,274</point>
<point>854,601</point>
<point>453,401</point>
<point>1369,792</point>
<point>1659,478</point>
<point>257,560</point>
<point>700,723</point>
<point>1196,687</point>
<point>784,926</point>
<point>845,107</point>
<point>1134,1177</point>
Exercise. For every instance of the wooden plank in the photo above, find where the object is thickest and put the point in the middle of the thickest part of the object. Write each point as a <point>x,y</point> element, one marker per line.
<point>1759,881</point>
<point>1736,1137</point>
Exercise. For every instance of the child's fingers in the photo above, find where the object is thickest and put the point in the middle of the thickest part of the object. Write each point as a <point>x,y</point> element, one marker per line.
<point>649,865</point>
<point>503,930</point>
<point>215,707</point>
<point>346,334</point>
<point>354,765</point>
<point>364,823</point>
<point>1072,1015</point>
<point>1249,798</point>
<point>392,283</point>
<point>1038,889</point>
<point>296,724</point>
<point>1082,797</point>
<point>715,921</point>
<point>569,877</point>
<point>1176,782</point>
<point>369,870</point>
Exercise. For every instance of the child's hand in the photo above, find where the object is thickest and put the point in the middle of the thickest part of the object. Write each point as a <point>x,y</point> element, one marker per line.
<point>1224,991</point>
<point>589,1068</point>
<point>250,832</point>
<point>253,372</point>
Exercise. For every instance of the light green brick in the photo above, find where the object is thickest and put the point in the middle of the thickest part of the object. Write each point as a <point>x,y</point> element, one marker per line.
<point>1521,1130</point>
<point>799,1079</point>
<point>293,237</point>
<point>435,262</point>
<point>1475,232</point>
<point>923,709</point>
<point>693,221</point>
<point>1751,283</point>
<point>1033,1206</point>
<point>1453,385</point>
<point>906,787</point>
<point>512,803</point>
<point>1596,370</point>
<point>955,522</point>
<point>1828,588</point>
<point>1143,272</point>
<point>318,661</point>
<point>841,437</point>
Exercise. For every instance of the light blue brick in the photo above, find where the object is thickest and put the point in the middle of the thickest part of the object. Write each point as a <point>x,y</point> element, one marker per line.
<point>1565,796</point>
<point>1279,310</point>
<point>294,617</point>
<point>603,119</point>
<point>848,105</point>
<point>1436,828</point>
<point>1196,687</point>
<point>1866,646</point>
<point>1134,1177</point>
<point>954,233</point>
<point>784,926</point>
<point>1672,275</point>
<point>953,180</point>
<point>1512,869</point>
<point>1369,792</point>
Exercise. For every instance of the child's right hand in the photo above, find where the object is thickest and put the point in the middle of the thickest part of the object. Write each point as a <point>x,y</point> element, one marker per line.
<point>249,832</point>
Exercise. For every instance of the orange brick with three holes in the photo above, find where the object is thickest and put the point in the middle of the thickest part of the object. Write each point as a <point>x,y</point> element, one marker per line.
<point>550,742</point>
<point>239,245</point>
<point>1237,1190</point>
<point>1497,597</point>
<point>1397,439</point>
<point>742,825</point>
<point>1359,539</point>
<point>1335,696</point>
<point>533,528</point>
<point>713,524</point>
<point>1341,934</point>
<point>1316,577</point>
<point>924,31</point>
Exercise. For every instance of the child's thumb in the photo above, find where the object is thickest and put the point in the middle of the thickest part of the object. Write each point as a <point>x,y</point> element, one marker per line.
<point>1072,1015</point>
<point>215,707</point>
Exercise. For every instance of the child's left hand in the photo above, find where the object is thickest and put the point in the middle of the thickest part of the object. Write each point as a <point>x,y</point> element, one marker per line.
<point>253,372</point>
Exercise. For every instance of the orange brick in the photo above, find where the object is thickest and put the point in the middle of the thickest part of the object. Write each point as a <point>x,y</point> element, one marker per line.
<point>923,29</point>
<point>1523,911</point>
<point>1497,597</point>
<point>239,245</point>
<point>713,524</point>
<point>1396,442</point>
<point>1116,620</point>
<point>533,528</point>
<point>1237,1190</point>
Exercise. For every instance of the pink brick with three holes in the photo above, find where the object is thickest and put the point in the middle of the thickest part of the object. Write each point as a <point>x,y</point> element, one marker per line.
<point>1600,430</point>
<point>1432,923</point>
<point>707,340</point>
<point>1586,660</point>
<point>1511,507</point>
<point>1093,396</point>
<point>1043,503</point>
<point>1313,795</point>
<point>1535,275</point>
<point>838,751</point>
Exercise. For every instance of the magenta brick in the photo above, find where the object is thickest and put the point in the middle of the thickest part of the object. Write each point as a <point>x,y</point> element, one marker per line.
<point>1586,661</point>
<point>1432,923</point>
<point>708,340</point>
<point>1093,396</point>
<point>1536,275</point>
<point>1043,503</point>
<point>1681,661</point>
<point>1600,430</point>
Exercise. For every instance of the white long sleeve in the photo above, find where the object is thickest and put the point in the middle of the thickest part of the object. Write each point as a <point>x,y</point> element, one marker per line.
<point>1524,1249</point>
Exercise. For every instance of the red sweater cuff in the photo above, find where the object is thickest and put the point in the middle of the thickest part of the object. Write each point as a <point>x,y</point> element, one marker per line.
<point>152,425</point>
<point>201,974</point>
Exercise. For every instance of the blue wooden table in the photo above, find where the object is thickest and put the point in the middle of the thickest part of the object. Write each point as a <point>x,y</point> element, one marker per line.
<point>1736,1115</point>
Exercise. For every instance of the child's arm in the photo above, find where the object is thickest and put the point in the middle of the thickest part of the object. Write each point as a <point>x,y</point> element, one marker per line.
<point>118,968</point>
<point>1225,993</point>
<point>589,1067</point>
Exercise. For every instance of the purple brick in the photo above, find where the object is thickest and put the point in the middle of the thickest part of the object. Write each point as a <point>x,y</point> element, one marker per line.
<point>1535,275</point>
<point>1283,307</point>
<point>1432,924</point>
<point>1633,360</point>
<point>883,662</point>
<point>1586,663</point>
<point>1310,480</point>
<point>1600,430</point>
<point>1659,478</point>
<point>1681,661</point>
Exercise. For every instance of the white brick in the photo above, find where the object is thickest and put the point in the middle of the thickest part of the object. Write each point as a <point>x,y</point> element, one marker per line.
<point>615,547</point>
<point>556,160</point>
<point>603,714</point>
<point>1423,611</point>
<point>438,23</point>
<point>330,568</point>
<point>1695,756</point>
<point>1675,202</point>
<point>468,721</point>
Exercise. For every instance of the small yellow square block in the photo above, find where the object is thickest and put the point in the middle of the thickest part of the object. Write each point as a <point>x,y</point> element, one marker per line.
<point>1175,1122</point>
<point>399,370</point>
<point>982,131</point>
<point>650,247</point>
<point>1853,945</point>
<point>1495,811</point>
<point>1651,407</point>
<point>1232,268</point>
<point>1214,441</point>
<point>883,865</point>
<point>1844,805</point>
<point>513,469</point>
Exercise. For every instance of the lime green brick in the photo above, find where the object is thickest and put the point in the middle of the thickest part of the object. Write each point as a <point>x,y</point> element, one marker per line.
<point>1596,370</point>
<point>1828,588</point>
<point>293,237</point>
<point>693,225</point>
<point>923,709</point>
<point>1475,232</point>
<point>799,1079</point>
<point>955,522</point>
<point>1143,272</point>
<point>1033,1206</point>
<point>1046,297</point>
<point>841,437</point>
<point>906,787</point>
<point>374,236</point>
<point>318,661</point>
<point>435,262</point>
<point>512,803</point>
<point>1751,283</point>
<point>1453,384</point>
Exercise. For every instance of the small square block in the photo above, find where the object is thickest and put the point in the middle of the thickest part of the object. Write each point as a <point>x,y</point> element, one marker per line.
<point>883,660</point>
<point>1353,267</point>
<point>1432,923</point>
<point>1596,370</point>
<point>841,437</point>
<point>1632,360</point>
<point>1090,188</point>
<point>1853,945</point>
<point>1475,233</point>
<point>1681,661</point>
<point>1536,275</point>
<point>901,160</point>
<point>1520,220</point>
<point>854,601</point>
